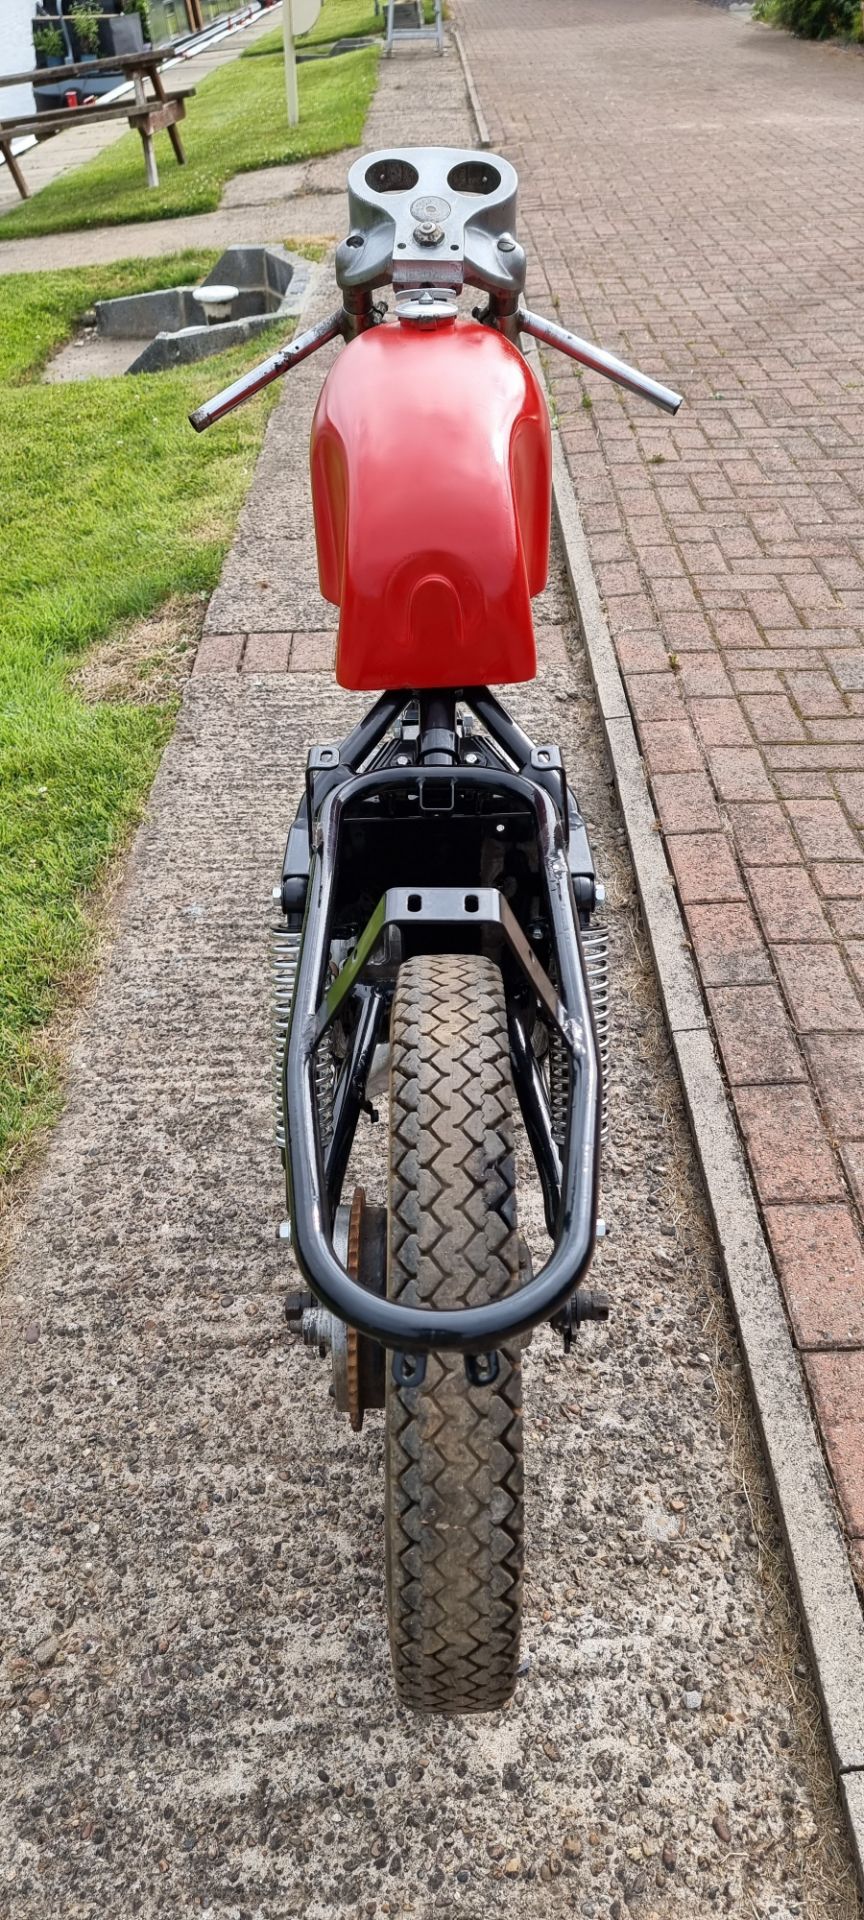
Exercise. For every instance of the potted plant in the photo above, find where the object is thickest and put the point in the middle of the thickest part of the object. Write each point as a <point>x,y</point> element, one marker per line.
<point>84,28</point>
<point>48,44</point>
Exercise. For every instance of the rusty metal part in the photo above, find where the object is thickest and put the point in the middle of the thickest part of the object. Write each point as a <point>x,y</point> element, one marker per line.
<point>360,1241</point>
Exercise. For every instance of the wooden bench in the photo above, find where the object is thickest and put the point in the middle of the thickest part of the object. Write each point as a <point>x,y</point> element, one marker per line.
<point>158,113</point>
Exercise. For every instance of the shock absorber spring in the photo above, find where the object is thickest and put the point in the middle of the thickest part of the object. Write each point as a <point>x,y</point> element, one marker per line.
<point>284,953</point>
<point>325,1080</point>
<point>595,946</point>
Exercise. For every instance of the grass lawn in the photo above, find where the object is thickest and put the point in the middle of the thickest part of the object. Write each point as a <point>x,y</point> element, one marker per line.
<point>109,504</point>
<point>338,20</point>
<point>235,124</point>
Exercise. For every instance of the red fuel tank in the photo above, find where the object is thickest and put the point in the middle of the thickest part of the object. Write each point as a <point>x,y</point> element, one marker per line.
<point>431,483</point>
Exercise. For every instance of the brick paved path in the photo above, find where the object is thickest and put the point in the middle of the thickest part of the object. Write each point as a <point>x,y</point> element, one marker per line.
<point>692,197</point>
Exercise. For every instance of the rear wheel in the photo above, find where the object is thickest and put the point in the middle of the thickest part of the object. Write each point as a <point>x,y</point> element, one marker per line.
<point>454,1452</point>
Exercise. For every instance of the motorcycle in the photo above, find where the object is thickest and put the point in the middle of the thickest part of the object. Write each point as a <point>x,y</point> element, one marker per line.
<point>438,899</point>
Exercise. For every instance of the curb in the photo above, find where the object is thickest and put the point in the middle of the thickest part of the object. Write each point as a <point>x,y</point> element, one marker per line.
<point>474,97</point>
<point>817,1553</point>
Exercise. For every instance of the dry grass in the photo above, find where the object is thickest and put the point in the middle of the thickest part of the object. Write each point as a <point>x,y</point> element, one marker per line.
<point>145,662</point>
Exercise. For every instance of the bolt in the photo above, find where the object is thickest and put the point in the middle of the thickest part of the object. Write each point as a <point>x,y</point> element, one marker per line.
<point>599,893</point>
<point>401,759</point>
<point>506,243</point>
<point>285,1231</point>
<point>318,1329</point>
<point>428,233</point>
<point>600,1230</point>
<point>277,896</point>
<point>471,759</point>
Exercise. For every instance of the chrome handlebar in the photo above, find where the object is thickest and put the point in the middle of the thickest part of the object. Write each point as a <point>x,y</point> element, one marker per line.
<point>598,360</point>
<point>251,383</point>
<point>344,324</point>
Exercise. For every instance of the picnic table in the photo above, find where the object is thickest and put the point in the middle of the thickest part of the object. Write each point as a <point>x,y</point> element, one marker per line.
<point>150,114</point>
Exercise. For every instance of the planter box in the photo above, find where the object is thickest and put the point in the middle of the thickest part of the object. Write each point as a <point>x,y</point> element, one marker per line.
<point>120,33</point>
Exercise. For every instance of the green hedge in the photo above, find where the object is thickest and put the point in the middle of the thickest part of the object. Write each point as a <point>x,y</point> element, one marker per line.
<point>815,19</point>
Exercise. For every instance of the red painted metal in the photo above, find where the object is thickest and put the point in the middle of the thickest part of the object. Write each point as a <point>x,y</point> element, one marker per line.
<point>431,483</point>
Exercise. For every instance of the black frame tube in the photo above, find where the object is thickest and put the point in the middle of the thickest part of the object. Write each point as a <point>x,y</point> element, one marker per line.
<point>420,1329</point>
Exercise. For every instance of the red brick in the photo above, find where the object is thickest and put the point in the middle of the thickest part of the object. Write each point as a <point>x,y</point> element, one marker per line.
<point>787,904</point>
<point>642,653</point>
<point>670,746</point>
<point>824,831</point>
<point>852,1156</point>
<point>313,652</point>
<point>728,945</point>
<point>704,867</point>
<point>815,693</point>
<point>762,834</point>
<point>847,918</point>
<point>773,717</point>
<point>839,880</point>
<point>850,787</point>
<point>803,786</point>
<point>787,1143</point>
<point>552,646</point>
<point>219,653</point>
<point>755,1037</point>
<point>739,774</point>
<point>737,630</point>
<point>655,696</point>
<point>704,675</point>
<point>837,1385</point>
<point>746,681</point>
<point>772,610</point>
<point>819,990</point>
<point>267,653</point>
<point>685,802</point>
<point>721,723</point>
<point>687,632</point>
<point>821,1264</point>
<point>837,1065</point>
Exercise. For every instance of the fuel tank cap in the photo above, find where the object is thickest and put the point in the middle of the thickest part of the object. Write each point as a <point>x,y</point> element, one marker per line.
<point>426,307</point>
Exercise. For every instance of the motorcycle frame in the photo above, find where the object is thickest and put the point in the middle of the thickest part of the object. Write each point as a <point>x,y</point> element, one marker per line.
<point>458,233</point>
<point>475,918</point>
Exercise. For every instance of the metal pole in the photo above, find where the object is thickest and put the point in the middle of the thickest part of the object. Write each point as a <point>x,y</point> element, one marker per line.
<point>290,65</point>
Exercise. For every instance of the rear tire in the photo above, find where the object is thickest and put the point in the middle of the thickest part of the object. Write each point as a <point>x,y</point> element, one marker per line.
<point>454,1517</point>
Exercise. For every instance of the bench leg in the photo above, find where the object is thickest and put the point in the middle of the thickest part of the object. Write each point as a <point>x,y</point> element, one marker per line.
<point>149,158</point>
<point>177,144</point>
<point>14,169</point>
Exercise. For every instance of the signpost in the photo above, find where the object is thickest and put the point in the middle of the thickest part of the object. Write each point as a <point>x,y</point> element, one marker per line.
<point>298,16</point>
